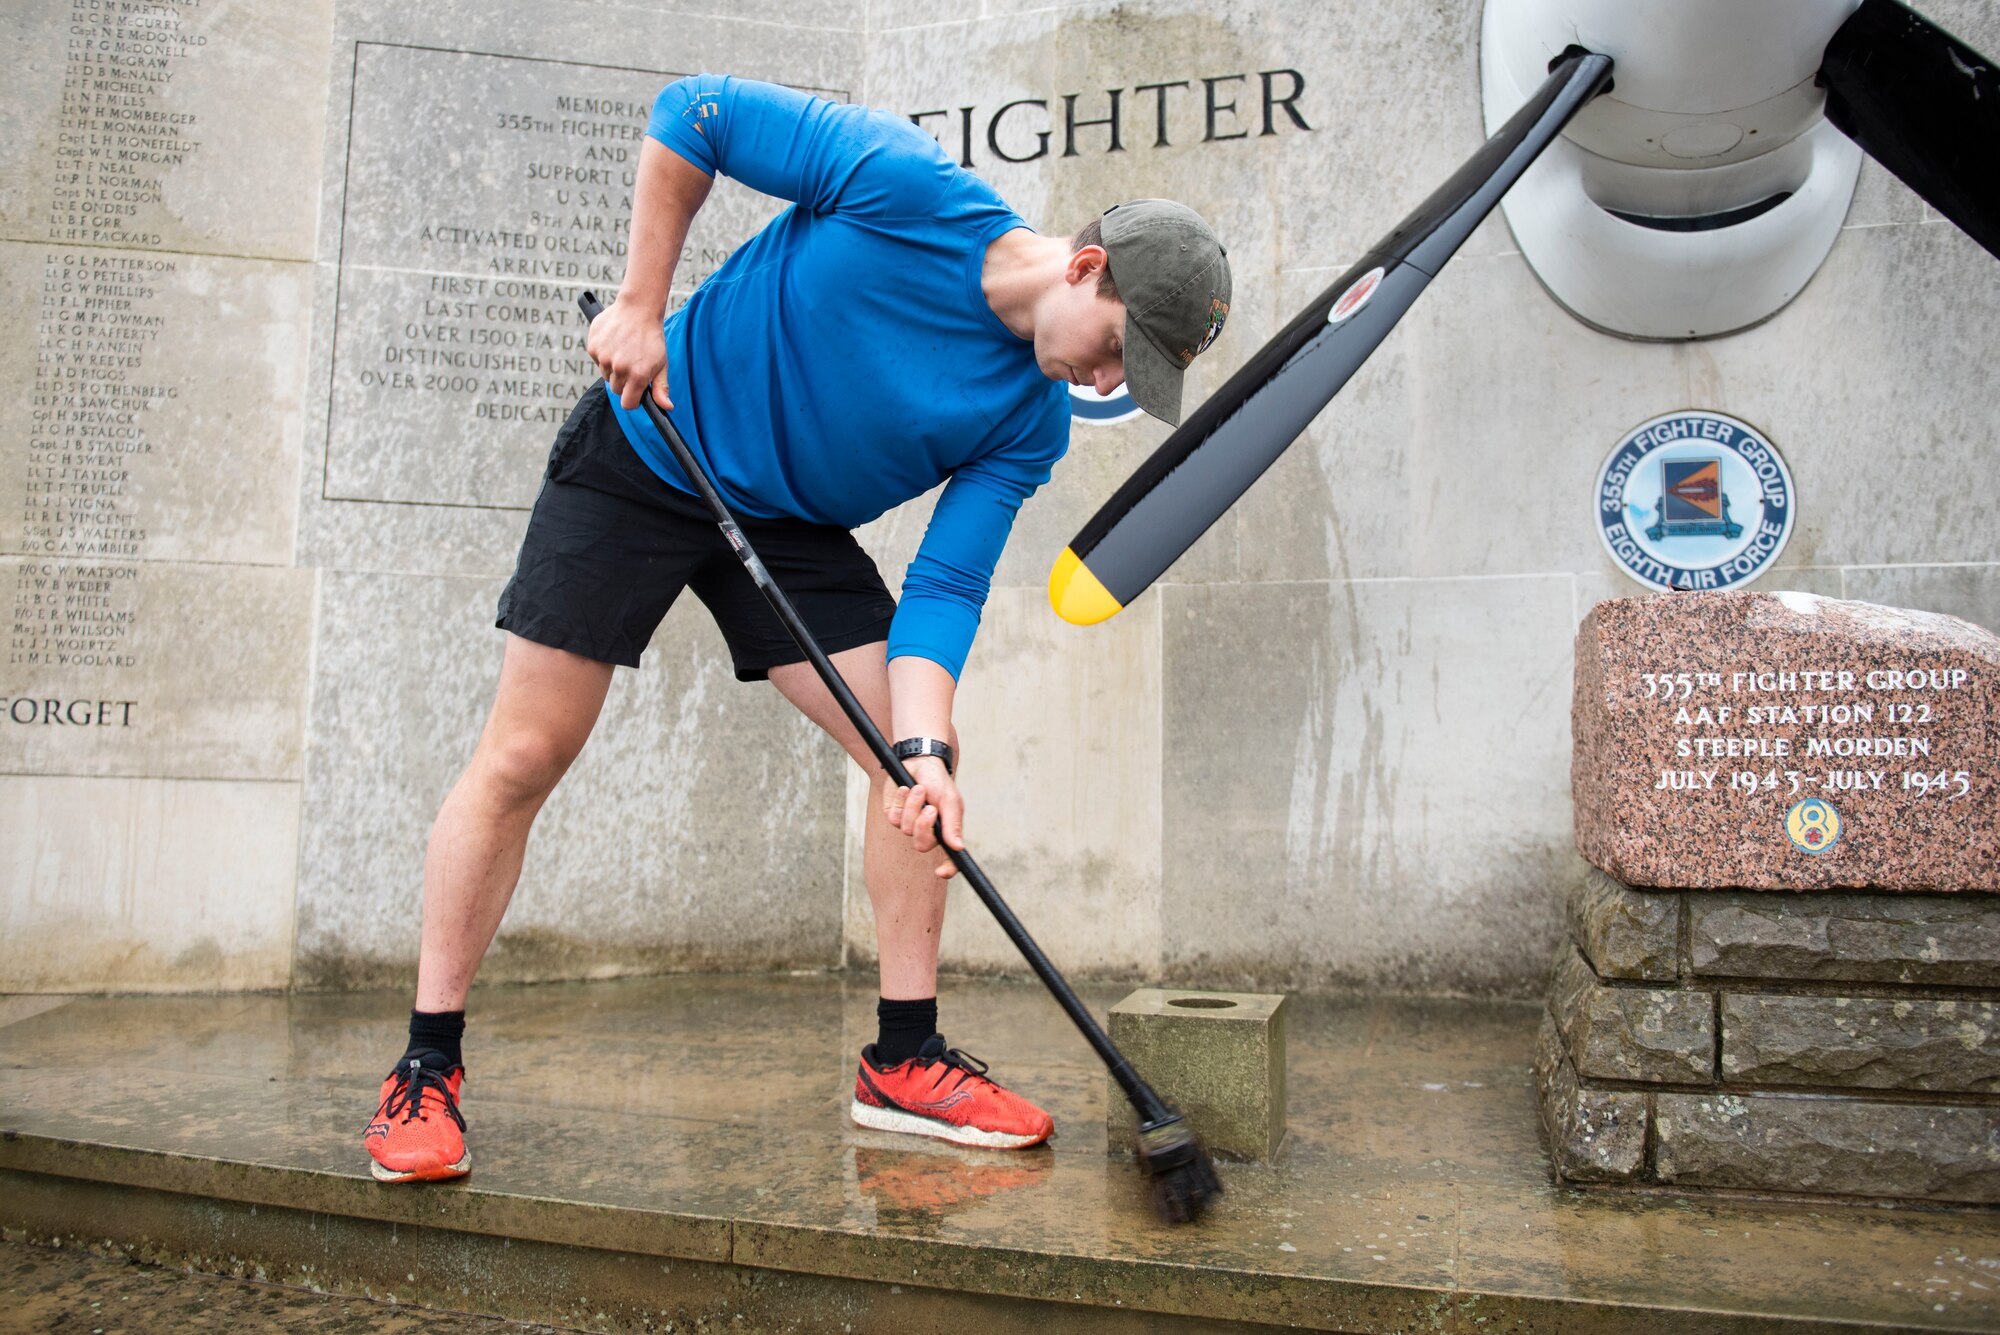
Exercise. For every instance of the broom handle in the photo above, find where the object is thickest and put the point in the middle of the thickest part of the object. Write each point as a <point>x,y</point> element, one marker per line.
<point>1149,1104</point>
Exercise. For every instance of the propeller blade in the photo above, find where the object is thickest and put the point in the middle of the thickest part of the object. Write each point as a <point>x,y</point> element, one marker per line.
<point>1923,104</point>
<point>1228,442</point>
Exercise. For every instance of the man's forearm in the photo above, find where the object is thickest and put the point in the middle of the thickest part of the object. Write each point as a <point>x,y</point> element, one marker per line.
<point>920,696</point>
<point>667,193</point>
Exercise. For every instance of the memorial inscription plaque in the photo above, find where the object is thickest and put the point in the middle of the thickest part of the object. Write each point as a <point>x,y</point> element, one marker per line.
<point>1786,741</point>
<point>148,474</point>
<point>157,241</point>
<point>158,412</point>
<point>127,127</point>
<point>164,670</point>
<point>482,192</point>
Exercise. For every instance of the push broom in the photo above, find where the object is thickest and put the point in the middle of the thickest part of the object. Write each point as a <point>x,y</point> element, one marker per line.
<point>1178,1170</point>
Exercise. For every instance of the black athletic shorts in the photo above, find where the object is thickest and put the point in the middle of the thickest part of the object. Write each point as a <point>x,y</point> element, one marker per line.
<point>610,546</point>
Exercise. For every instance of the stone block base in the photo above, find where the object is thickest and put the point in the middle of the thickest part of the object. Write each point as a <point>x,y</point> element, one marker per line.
<point>1217,1056</point>
<point>1828,1045</point>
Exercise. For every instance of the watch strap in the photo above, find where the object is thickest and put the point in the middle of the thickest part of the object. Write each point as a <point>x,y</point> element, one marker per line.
<point>910,748</point>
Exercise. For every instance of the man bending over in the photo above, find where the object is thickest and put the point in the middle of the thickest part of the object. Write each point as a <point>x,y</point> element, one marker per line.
<point>898,327</point>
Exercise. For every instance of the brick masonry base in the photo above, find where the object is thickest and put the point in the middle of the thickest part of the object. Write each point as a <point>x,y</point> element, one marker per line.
<point>1826,1044</point>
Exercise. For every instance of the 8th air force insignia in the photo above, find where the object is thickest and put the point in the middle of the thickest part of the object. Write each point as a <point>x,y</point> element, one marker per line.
<point>1694,500</point>
<point>1813,825</point>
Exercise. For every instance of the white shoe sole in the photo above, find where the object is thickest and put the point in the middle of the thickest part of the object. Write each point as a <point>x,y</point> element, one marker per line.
<point>384,1174</point>
<point>895,1119</point>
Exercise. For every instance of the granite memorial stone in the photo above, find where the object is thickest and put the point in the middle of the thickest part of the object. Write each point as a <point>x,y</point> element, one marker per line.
<point>1736,1039</point>
<point>1786,741</point>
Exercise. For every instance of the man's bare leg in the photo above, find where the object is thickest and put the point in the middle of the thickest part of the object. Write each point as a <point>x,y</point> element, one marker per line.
<point>926,1095</point>
<point>931,1091</point>
<point>543,711</point>
<point>903,886</point>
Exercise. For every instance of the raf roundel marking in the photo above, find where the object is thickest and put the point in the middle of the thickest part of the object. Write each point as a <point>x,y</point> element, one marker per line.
<point>1356,296</point>
<point>1694,500</point>
<point>1813,825</point>
<point>1087,405</point>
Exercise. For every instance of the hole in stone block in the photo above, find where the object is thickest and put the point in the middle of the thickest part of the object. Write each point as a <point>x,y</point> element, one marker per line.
<point>1201,1003</point>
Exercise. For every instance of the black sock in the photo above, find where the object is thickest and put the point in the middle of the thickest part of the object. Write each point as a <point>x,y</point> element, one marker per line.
<point>904,1027</point>
<point>436,1033</point>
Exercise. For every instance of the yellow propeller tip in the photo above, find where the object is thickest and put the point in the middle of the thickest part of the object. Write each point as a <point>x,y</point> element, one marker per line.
<point>1077,595</point>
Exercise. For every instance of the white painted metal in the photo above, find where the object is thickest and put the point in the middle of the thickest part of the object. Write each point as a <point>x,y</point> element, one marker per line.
<point>1713,110</point>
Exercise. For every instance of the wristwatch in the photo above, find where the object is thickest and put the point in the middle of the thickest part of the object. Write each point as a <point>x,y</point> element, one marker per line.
<point>912,747</point>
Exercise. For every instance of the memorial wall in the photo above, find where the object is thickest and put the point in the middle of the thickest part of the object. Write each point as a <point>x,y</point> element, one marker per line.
<point>294,326</point>
<point>157,210</point>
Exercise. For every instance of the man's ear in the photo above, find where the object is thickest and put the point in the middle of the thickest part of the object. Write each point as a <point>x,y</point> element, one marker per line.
<point>1086,265</point>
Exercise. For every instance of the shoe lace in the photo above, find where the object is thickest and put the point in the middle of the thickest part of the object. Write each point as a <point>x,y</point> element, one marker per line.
<point>967,1066</point>
<point>407,1097</point>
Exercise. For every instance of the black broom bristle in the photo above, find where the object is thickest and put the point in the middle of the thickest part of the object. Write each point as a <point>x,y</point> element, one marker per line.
<point>1179,1172</point>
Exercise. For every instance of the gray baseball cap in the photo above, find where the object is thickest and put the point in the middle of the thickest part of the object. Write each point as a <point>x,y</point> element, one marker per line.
<point>1174,277</point>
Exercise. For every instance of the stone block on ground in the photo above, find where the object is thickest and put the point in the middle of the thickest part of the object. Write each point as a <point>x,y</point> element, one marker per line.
<point>1594,1135</point>
<point>1218,1056</point>
<point>1625,933</point>
<point>1848,1147</point>
<point>1862,1042</point>
<point>1631,1033</point>
<point>1786,741</point>
<point>1927,940</point>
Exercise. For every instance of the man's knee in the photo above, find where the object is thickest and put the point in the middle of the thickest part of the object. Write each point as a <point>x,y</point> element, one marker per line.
<point>525,763</point>
<point>546,705</point>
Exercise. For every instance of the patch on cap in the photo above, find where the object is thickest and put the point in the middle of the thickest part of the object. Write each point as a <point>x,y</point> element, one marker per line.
<point>1218,311</point>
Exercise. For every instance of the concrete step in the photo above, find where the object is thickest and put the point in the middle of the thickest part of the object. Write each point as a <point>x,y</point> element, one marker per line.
<point>51,1289</point>
<point>666,1153</point>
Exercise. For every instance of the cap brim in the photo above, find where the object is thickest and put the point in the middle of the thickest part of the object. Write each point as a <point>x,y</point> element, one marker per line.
<point>1152,377</point>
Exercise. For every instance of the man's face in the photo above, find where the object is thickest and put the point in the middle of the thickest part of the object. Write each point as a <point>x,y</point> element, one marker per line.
<point>1079,336</point>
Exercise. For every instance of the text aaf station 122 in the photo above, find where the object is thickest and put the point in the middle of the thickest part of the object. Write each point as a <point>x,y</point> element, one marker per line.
<point>1791,731</point>
<point>1220,107</point>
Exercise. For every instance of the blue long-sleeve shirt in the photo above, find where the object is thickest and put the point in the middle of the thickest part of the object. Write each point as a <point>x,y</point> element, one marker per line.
<point>844,360</point>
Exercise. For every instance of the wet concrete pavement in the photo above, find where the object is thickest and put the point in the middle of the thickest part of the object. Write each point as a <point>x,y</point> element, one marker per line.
<point>51,1292</point>
<point>704,1118</point>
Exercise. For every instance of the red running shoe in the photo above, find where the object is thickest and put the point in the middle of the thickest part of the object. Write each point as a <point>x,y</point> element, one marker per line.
<point>944,1093</point>
<point>418,1134</point>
